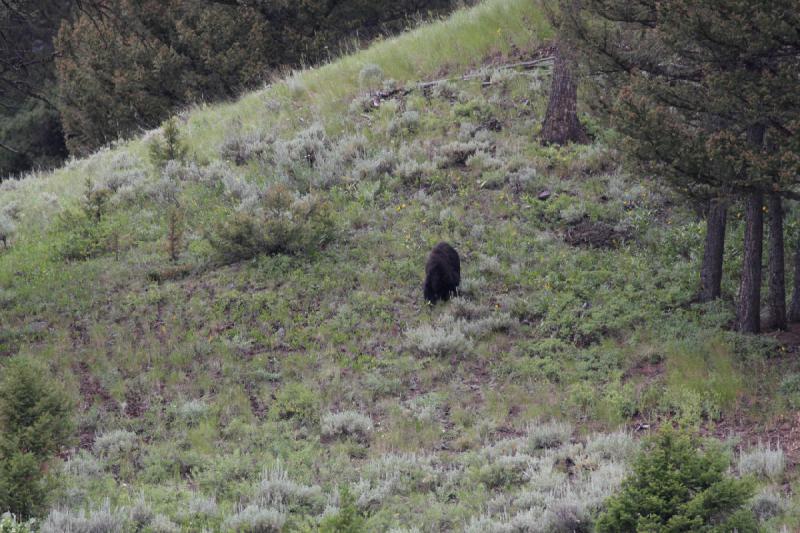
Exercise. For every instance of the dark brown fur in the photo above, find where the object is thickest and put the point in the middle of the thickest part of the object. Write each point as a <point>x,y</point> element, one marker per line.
<point>442,273</point>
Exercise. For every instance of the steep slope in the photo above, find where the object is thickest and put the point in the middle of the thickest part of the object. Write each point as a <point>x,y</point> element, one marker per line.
<point>224,389</point>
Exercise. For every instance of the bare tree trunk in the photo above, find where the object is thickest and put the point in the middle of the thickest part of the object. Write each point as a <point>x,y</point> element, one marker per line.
<point>794,309</point>
<point>749,308</point>
<point>777,267</point>
<point>711,271</point>
<point>561,123</point>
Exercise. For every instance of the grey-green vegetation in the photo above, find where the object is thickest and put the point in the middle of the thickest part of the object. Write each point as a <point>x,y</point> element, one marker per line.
<point>243,333</point>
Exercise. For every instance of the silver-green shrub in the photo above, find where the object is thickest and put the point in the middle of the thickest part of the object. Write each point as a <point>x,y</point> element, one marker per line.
<point>346,423</point>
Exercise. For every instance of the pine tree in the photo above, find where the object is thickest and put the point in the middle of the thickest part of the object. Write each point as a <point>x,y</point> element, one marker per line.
<point>35,424</point>
<point>687,83</point>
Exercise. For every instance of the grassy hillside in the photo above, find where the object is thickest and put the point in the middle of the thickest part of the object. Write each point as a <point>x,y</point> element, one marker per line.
<point>221,389</point>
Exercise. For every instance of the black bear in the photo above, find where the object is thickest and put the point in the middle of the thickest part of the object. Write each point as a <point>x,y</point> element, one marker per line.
<point>442,273</point>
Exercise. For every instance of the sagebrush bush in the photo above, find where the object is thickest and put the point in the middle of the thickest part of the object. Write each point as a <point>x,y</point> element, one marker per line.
<point>362,103</point>
<point>83,465</point>
<point>274,222</point>
<point>548,435</point>
<point>443,340</point>
<point>446,90</point>
<point>462,308</point>
<point>162,524</point>
<point>415,173</point>
<point>487,524</point>
<point>103,518</point>
<point>240,148</point>
<point>616,446</point>
<point>193,411</point>
<point>375,167</point>
<point>202,506</point>
<point>484,326</point>
<point>255,519</point>
<point>276,489</point>
<point>125,171</point>
<point>346,423</point>
<point>115,444</point>
<point>505,471</point>
<point>141,514</point>
<point>370,76</point>
<point>675,486</point>
<point>489,264</point>
<point>305,150</point>
<point>763,461</point>
<point>406,124</point>
<point>456,153</point>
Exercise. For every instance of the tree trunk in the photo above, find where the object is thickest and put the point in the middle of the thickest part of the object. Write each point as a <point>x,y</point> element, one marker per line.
<point>749,308</point>
<point>711,271</point>
<point>794,309</point>
<point>777,267</point>
<point>561,123</point>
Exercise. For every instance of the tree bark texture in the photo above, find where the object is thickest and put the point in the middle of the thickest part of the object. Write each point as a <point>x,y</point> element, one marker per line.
<point>711,270</point>
<point>794,308</point>
<point>561,124</point>
<point>749,307</point>
<point>748,311</point>
<point>777,267</point>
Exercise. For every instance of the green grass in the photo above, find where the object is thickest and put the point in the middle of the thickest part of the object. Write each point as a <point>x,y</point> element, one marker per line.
<point>221,371</point>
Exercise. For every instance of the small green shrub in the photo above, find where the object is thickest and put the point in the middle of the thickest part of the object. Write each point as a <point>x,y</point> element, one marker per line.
<point>35,423</point>
<point>9,524</point>
<point>276,223</point>
<point>675,486</point>
<point>348,519</point>
<point>170,147</point>
<point>86,230</point>
<point>296,402</point>
<point>790,389</point>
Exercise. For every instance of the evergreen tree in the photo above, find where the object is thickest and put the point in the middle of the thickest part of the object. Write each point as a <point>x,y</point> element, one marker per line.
<point>677,487</point>
<point>30,129</point>
<point>35,424</point>
<point>705,96</point>
<point>131,69</point>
